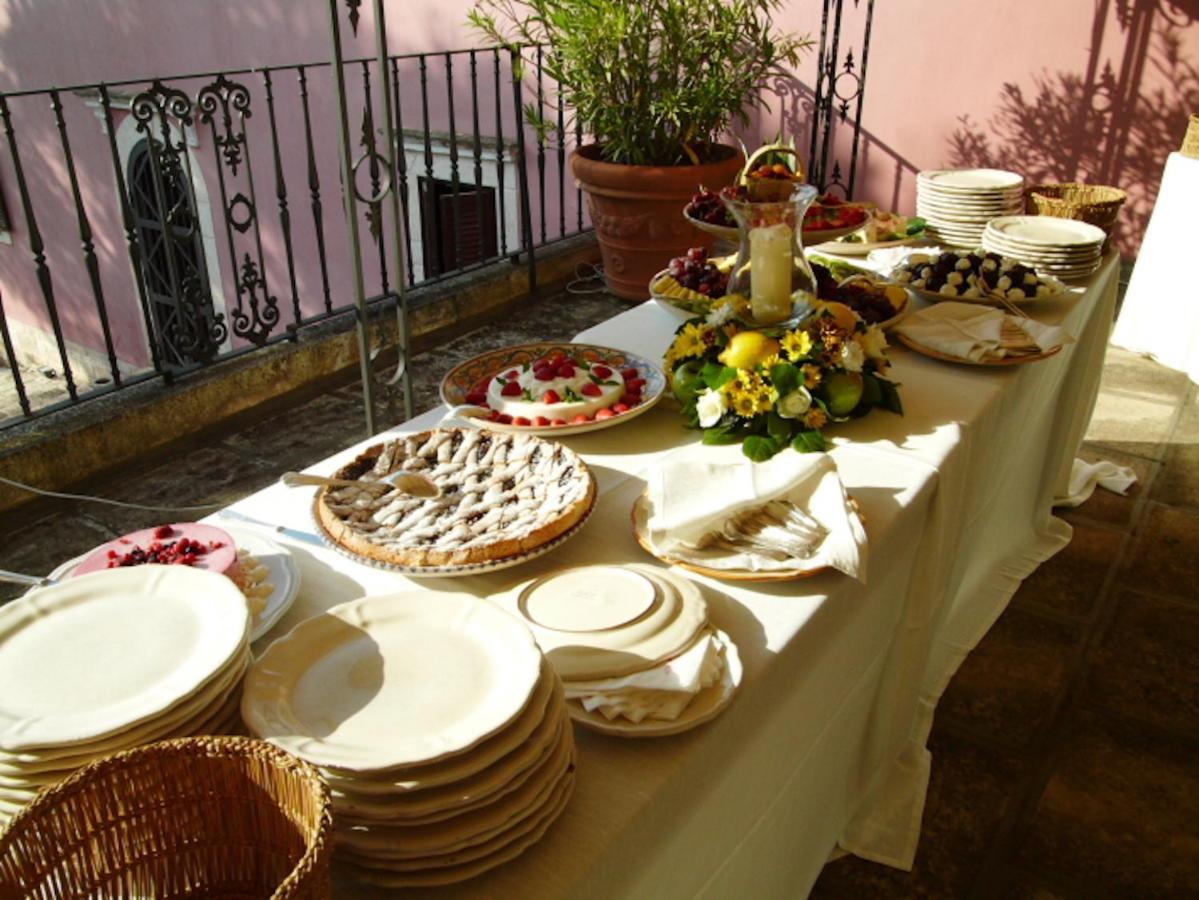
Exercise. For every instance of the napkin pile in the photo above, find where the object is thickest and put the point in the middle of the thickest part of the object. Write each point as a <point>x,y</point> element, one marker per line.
<point>662,692</point>
<point>722,511</point>
<point>974,332</point>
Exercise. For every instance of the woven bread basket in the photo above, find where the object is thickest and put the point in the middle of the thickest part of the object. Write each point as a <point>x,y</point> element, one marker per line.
<point>1094,203</point>
<point>220,817</point>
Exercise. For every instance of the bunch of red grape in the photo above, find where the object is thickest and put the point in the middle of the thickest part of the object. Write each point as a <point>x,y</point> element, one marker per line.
<point>694,271</point>
<point>707,207</point>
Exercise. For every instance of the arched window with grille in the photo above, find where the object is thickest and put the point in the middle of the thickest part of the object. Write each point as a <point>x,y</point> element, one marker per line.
<point>172,256</point>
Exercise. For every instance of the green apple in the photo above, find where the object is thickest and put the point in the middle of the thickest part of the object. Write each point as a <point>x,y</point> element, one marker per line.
<point>842,391</point>
<point>686,381</point>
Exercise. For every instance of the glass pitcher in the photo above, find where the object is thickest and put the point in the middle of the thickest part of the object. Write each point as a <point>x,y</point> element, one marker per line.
<point>771,269</point>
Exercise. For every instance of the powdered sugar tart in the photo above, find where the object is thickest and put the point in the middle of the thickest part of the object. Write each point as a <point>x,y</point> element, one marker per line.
<point>502,495</point>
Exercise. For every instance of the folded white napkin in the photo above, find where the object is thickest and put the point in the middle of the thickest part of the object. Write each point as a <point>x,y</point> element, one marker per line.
<point>1085,477</point>
<point>695,495</point>
<point>662,692</point>
<point>972,331</point>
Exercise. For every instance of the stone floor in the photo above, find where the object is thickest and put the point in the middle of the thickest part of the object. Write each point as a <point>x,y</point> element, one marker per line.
<point>1066,749</point>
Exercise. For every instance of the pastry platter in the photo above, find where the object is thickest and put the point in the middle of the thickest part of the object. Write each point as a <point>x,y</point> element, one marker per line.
<point>551,388</point>
<point>506,499</point>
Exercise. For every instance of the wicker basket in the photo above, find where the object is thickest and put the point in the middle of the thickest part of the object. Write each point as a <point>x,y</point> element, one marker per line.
<point>217,817</point>
<point>1093,203</point>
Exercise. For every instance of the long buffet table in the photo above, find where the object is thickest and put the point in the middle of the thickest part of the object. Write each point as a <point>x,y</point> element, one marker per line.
<point>825,743</point>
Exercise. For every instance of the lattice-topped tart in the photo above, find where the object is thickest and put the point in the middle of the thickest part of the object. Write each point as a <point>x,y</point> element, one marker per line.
<point>501,495</point>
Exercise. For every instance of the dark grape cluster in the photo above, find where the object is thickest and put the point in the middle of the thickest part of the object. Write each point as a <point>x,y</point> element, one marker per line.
<point>706,206</point>
<point>869,303</point>
<point>695,272</point>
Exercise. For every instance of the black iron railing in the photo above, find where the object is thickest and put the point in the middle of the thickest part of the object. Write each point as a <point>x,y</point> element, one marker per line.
<point>162,224</point>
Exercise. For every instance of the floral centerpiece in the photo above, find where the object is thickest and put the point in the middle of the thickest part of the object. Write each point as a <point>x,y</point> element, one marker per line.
<point>779,387</point>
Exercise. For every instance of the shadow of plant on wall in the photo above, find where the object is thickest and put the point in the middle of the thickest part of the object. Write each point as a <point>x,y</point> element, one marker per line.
<point>1103,126</point>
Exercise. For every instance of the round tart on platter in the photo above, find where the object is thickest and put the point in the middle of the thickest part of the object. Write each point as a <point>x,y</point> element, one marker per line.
<point>502,495</point>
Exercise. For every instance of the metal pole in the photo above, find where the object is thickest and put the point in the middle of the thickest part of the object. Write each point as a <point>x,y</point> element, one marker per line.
<point>395,148</point>
<point>351,207</point>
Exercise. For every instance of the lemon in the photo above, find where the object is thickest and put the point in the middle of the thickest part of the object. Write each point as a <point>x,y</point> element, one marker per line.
<point>748,348</point>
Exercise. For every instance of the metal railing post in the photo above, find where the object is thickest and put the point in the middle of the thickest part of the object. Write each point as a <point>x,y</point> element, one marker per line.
<point>526,211</point>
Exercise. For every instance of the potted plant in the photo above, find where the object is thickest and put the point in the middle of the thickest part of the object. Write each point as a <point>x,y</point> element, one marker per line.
<point>655,83</point>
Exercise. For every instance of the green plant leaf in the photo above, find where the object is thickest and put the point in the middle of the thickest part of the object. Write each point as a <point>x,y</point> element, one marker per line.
<point>760,448</point>
<point>717,376</point>
<point>890,400</point>
<point>810,442</point>
<point>778,427</point>
<point>872,393</point>
<point>785,378</point>
<point>720,434</point>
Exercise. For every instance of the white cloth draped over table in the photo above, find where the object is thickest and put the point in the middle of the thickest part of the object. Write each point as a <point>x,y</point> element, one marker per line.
<point>826,742</point>
<point>1160,314</point>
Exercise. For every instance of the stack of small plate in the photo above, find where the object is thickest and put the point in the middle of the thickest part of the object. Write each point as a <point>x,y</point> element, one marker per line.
<point>1061,247</point>
<point>956,204</point>
<point>113,660</point>
<point>436,721</point>
<point>621,638</point>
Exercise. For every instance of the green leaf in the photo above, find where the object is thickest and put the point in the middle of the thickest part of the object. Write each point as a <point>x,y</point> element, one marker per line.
<point>721,434</point>
<point>890,400</point>
<point>717,376</point>
<point>778,427</point>
<point>810,442</point>
<point>761,448</point>
<point>785,378</point>
<point>872,394</point>
<point>570,396</point>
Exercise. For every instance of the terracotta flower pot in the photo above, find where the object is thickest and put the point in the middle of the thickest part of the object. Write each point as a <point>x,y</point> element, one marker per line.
<point>638,212</point>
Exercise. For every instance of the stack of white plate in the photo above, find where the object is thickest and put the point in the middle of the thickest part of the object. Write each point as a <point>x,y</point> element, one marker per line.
<point>435,720</point>
<point>113,660</point>
<point>1061,247</point>
<point>633,646</point>
<point>956,204</point>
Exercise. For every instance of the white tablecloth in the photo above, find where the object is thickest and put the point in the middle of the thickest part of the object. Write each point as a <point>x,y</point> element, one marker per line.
<point>825,744</point>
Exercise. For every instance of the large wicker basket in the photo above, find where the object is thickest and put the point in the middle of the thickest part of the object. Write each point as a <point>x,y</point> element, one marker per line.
<point>1093,203</point>
<point>1190,141</point>
<point>219,817</point>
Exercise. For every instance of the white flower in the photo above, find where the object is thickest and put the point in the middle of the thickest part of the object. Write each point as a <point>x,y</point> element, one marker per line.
<point>710,406</point>
<point>718,315</point>
<point>794,404</point>
<point>873,342</point>
<point>852,356</point>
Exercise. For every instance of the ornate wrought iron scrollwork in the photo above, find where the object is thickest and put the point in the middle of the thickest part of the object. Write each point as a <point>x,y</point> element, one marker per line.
<point>256,325</point>
<point>224,106</point>
<point>226,97</point>
<point>352,7</point>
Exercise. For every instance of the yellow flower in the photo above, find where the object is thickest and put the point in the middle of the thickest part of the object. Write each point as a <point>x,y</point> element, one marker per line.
<point>693,340</point>
<point>798,344</point>
<point>811,375</point>
<point>749,394</point>
<point>744,404</point>
<point>772,360</point>
<point>815,418</point>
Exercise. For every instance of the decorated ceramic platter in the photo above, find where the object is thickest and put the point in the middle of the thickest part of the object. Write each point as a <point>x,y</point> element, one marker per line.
<point>280,582</point>
<point>552,389</point>
<point>1014,360</point>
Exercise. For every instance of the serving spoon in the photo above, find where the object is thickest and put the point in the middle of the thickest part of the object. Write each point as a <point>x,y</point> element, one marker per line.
<point>29,580</point>
<point>405,482</point>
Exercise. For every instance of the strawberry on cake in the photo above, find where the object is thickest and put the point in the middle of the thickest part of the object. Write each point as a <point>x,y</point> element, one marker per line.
<point>558,390</point>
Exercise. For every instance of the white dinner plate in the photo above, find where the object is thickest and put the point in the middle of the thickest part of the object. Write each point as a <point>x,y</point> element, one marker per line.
<point>446,870</point>
<point>98,654</point>
<point>971,181</point>
<point>284,576</point>
<point>398,842</point>
<point>392,680</point>
<point>1047,231</point>
<point>667,625</point>
<point>706,705</point>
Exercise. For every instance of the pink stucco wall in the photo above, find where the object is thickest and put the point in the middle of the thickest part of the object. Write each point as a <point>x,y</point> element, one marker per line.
<point>1071,89</point>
